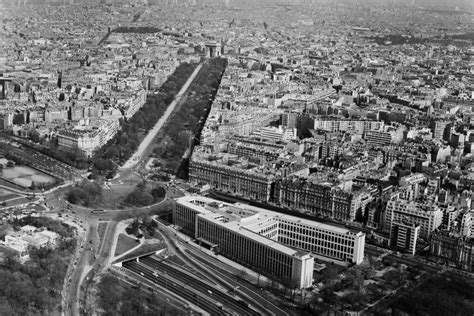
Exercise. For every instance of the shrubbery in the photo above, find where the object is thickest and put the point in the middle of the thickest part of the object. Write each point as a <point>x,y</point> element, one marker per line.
<point>86,194</point>
<point>146,224</point>
<point>144,195</point>
<point>34,288</point>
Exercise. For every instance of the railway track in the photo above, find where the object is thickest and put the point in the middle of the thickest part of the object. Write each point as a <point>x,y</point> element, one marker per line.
<point>197,299</point>
<point>237,305</point>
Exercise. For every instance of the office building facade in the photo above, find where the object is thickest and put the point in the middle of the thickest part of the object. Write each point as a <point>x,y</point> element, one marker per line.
<point>276,245</point>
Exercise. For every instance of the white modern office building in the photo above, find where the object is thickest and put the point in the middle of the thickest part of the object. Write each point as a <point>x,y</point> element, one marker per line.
<point>276,245</point>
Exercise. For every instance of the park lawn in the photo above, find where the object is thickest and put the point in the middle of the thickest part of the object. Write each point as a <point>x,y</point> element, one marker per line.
<point>101,228</point>
<point>125,243</point>
<point>112,198</point>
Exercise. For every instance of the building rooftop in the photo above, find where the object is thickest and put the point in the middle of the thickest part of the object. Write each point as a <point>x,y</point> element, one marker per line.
<point>244,217</point>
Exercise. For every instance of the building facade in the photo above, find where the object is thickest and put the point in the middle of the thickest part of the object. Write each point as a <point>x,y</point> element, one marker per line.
<point>276,245</point>
<point>428,216</point>
<point>88,140</point>
<point>453,248</point>
<point>404,237</point>
<point>315,198</point>
<point>242,182</point>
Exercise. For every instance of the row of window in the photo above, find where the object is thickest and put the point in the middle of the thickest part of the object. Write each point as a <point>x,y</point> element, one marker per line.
<point>247,251</point>
<point>318,238</point>
<point>320,250</point>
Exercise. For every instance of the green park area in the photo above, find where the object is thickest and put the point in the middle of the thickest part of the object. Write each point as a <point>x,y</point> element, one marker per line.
<point>120,148</point>
<point>124,244</point>
<point>34,287</point>
<point>360,286</point>
<point>141,193</point>
<point>445,294</point>
<point>186,122</point>
<point>118,298</point>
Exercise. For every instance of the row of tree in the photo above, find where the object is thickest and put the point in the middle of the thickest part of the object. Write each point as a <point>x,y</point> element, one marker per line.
<point>120,148</point>
<point>190,116</point>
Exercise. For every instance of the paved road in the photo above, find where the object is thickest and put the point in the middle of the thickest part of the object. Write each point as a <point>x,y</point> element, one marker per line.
<point>135,158</point>
<point>86,263</point>
<point>81,265</point>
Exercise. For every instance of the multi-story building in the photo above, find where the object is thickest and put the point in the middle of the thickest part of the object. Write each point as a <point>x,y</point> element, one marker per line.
<point>254,153</point>
<point>303,122</point>
<point>322,200</point>
<point>453,248</point>
<point>231,175</point>
<point>88,140</point>
<point>336,124</point>
<point>378,138</point>
<point>441,129</point>
<point>225,228</point>
<point>428,216</point>
<point>278,246</point>
<point>6,120</point>
<point>404,237</point>
<point>134,103</point>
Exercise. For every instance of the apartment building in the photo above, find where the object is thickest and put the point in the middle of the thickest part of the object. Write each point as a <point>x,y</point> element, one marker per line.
<point>234,176</point>
<point>88,139</point>
<point>322,200</point>
<point>428,216</point>
<point>453,248</point>
<point>404,237</point>
<point>334,124</point>
<point>378,138</point>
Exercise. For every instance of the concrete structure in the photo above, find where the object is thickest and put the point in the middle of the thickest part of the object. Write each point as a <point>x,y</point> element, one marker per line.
<point>271,243</point>
<point>440,129</point>
<point>378,138</point>
<point>404,237</point>
<point>428,216</point>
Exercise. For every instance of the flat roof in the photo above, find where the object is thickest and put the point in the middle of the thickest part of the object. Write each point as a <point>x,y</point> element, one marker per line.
<point>240,216</point>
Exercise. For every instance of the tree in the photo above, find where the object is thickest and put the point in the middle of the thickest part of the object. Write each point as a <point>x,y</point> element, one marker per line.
<point>110,294</point>
<point>18,119</point>
<point>158,193</point>
<point>34,136</point>
<point>133,228</point>
<point>329,274</point>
